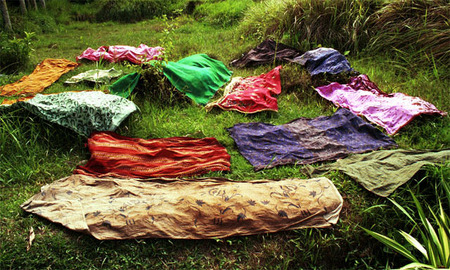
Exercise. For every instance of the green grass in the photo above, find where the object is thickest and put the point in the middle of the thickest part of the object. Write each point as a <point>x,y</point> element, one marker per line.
<point>34,153</point>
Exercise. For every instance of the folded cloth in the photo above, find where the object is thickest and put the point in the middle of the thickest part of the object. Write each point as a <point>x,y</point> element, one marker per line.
<point>46,73</point>
<point>266,53</point>
<point>306,141</point>
<point>198,76</point>
<point>125,85</point>
<point>111,208</point>
<point>390,111</point>
<point>381,172</point>
<point>251,94</point>
<point>120,156</point>
<point>118,53</point>
<point>324,60</point>
<point>95,76</point>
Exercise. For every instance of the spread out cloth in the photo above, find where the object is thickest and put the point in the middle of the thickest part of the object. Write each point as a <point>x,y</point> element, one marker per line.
<point>46,73</point>
<point>324,60</point>
<point>95,76</point>
<point>390,111</point>
<point>381,172</point>
<point>125,85</point>
<point>251,94</point>
<point>111,208</point>
<point>266,53</point>
<point>198,76</point>
<point>306,140</point>
<point>83,112</point>
<point>118,53</point>
<point>120,156</point>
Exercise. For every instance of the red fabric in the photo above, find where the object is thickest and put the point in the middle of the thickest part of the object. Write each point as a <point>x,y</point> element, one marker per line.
<point>119,156</point>
<point>253,94</point>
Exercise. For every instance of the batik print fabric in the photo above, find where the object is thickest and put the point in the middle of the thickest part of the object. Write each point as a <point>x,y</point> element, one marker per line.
<point>119,53</point>
<point>266,53</point>
<point>112,208</point>
<point>95,76</point>
<point>120,156</point>
<point>251,94</point>
<point>390,111</point>
<point>44,75</point>
<point>306,141</point>
<point>324,60</point>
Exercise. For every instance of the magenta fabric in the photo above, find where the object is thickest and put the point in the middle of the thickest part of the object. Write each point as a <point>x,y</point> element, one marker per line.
<point>390,111</point>
<point>113,54</point>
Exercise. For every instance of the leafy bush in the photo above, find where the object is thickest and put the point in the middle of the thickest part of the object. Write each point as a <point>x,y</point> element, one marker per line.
<point>224,13</point>
<point>132,10</point>
<point>14,53</point>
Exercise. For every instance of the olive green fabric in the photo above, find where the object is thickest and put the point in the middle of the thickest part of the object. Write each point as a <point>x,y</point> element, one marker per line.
<point>95,76</point>
<point>125,85</point>
<point>198,76</point>
<point>381,172</point>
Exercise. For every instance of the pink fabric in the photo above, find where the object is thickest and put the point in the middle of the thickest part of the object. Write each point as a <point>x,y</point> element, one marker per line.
<point>114,54</point>
<point>362,97</point>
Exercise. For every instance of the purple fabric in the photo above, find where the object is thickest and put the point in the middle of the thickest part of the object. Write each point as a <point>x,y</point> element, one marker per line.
<point>114,54</point>
<point>323,60</point>
<point>306,141</point>
<point>390,111</point>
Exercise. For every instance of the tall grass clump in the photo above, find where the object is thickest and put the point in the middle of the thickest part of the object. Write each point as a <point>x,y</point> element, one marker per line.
<point>14,53</point>
<point>223,13</point>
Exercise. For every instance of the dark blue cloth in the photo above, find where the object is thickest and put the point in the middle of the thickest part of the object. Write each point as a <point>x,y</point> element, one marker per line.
<point>323,60</point>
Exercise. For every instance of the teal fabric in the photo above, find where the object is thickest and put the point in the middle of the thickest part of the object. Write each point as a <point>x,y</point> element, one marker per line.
<point>95,76</point>
<point>198,76</point>
<point>125,85</point>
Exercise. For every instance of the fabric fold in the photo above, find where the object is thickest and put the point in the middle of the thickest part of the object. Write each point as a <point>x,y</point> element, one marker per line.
<point>125,85</point>
<point>118,53</point>
<point>324,60</point>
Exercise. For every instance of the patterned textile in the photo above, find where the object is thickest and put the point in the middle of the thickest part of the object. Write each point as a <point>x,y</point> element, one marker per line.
<point>125,85</point>
<point>251,94</point>
<point>324,60</point>
<point>83,112</point>
<point>46,73</point>
<point>305,141</point>
<point>381,172</point>
<point>114,54</point>
<point>120,156</point>
<point>198,76</point>
<point>390,111</point>
<point>266,53</point>
<point>95,76</point>
<point>111,208</point>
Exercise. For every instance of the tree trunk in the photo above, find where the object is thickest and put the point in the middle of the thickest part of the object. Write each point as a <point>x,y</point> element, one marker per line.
<point>42,3</point>
<point>28,4</point>
<point>34,4</point>
<point>23,7</point>
<point>5,15</point>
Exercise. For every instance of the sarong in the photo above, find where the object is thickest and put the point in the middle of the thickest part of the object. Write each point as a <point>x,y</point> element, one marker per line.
<point>324,60</point>
<point>95,76</point>
<point>114,54</point>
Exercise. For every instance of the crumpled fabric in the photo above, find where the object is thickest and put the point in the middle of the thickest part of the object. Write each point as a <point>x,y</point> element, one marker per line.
<point>306,140</point>
<point>118,53</point>
<point>251,94</point>
<point>95,76</point>
<point>324,60</point>
<point>382,172</point>
<point>266,53</point>
<point>82,112</point>
<point>390,111</point>
<point>46,73</point>
<point>125,85</point>
<point>112,209</point>
<point>198,76</point>
<point>119,156</point>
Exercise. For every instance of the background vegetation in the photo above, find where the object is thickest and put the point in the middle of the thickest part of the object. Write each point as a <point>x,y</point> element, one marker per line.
<point>412,59</point>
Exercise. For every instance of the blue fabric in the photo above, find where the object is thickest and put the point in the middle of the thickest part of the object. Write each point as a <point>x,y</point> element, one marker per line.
<point>323,60</point>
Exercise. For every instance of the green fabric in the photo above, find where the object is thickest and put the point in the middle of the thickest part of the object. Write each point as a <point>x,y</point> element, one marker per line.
<point>125,85</point>
<point>96,76</point>
<point>381,172</point>
<point>198,76</point>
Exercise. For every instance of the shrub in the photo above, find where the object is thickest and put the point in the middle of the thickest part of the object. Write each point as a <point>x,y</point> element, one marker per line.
<point>224,13</point>
<point>132,10</point>
<point>14,53</point>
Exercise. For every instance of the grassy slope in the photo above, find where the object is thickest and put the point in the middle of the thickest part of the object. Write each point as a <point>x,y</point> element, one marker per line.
<point>36,153</point>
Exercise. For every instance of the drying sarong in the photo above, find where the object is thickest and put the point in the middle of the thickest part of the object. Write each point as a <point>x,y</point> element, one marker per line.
<point>125,85</point>
<point>114,54</point>
<point>46,73</point>
<point>198,76</point>
<point>324,60</point>
<point>305,140</point>
<point>120,156</point>
<point>266,53</point>
<point>95,76</point>
<point>251,94</point>
<point>83,112</point>
<point>381,172</point>
<point>390,111</point>
<point>111,208</point>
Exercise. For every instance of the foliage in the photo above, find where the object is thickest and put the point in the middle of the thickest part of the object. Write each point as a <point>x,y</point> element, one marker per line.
<point>223,13</point>
<point>14,53</point>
